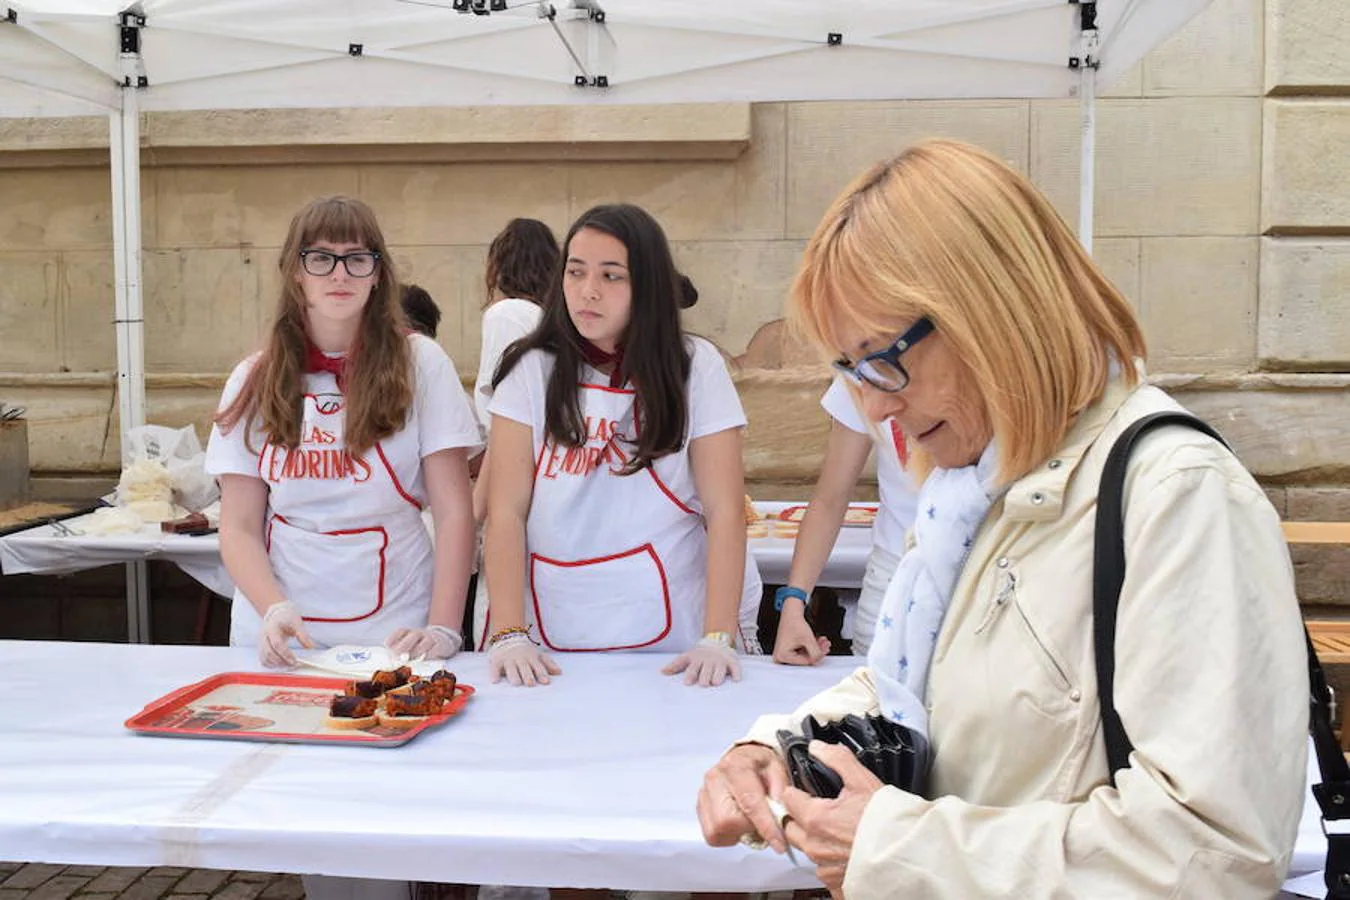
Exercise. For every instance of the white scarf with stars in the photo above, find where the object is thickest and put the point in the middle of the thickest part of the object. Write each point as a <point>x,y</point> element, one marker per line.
<point>952,504</point>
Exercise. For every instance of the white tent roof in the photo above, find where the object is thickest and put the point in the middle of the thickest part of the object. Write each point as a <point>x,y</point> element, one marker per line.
<point>61,57</point>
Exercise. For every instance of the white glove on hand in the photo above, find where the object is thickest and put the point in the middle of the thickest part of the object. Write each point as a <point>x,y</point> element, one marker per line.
<point>280,623</point>
<point>516,658</point>
<point>707,663</point>
<point>432,642</point>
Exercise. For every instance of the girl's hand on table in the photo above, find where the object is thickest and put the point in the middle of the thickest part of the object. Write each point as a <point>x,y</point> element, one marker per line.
<point>432,642</point>
<point>796,644</point>
<point>519,661</point>
<point>280,623</point>
<point>707,663</point>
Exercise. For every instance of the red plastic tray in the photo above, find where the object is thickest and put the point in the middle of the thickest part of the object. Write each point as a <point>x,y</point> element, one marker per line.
<point>267,706</point>
<point>794,514</point>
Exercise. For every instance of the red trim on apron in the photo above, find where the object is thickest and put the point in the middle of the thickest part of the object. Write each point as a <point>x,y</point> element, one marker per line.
<point>394,478</point>
<point>651,469</point>
<point>572,564</point>
<point>384,546</point>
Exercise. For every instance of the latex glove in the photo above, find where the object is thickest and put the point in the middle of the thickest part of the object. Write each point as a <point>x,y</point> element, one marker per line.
<point>796,644</point>
<point>519,661</point>
<point>280,623</point>
<point>707,664</point>
<point>432,642</point>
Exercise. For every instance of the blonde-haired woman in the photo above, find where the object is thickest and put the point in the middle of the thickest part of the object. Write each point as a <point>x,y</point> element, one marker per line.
<point>963,306</point>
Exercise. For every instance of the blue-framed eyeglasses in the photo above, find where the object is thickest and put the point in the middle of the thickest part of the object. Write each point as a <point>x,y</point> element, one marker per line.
<point>883,370</point>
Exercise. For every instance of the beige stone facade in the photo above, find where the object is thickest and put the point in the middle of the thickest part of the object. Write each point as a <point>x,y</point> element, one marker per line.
<point>1223,211</point>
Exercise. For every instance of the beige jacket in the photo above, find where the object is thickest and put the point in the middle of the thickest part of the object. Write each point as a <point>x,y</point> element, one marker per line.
<point>1211,683</point>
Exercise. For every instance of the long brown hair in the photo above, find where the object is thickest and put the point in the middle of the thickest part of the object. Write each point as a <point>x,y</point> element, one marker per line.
<point>656,355</point>
<point>949,231</point>
<point>379,382</point>
<point>521,261</point>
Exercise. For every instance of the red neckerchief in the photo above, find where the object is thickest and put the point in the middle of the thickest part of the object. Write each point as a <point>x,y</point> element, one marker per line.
<point>598,358</point>
<point>318,361</point>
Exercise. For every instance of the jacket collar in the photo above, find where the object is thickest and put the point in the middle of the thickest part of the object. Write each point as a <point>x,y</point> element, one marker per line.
<point>1039,495</point>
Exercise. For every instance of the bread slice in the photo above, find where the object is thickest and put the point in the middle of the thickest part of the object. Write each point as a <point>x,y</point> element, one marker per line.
<point>348,713</point>
<point>400,722</point>
<point>341,723</point>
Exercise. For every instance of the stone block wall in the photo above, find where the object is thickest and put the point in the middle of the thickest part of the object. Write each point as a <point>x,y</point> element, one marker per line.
<point>1223,211</point>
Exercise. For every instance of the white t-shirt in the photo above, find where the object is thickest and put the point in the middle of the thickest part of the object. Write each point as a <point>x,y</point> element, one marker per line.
<point>440,417</point>
<point>504,322</point>
<point>713,406</point>
<point>899,495</point>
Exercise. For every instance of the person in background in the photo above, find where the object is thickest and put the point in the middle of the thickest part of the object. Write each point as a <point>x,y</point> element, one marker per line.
<point>960,304</point>
<point>521,263</point>
<point>851,440</point>
<point>615,501</point>
<point>422,313</point>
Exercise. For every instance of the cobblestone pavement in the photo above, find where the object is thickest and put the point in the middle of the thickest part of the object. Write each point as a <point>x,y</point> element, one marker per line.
<point>40,881</point>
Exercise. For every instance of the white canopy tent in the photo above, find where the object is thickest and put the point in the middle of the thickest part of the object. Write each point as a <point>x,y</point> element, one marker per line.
<point>83,57</point>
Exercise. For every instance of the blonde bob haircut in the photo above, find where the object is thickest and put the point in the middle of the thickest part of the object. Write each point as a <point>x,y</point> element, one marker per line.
<point>947,231</point>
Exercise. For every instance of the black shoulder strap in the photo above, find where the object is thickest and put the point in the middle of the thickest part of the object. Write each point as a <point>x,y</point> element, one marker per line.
<point>1333,794</point>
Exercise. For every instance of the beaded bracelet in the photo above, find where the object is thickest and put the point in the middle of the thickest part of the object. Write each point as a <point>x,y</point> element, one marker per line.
<point>500,634</point>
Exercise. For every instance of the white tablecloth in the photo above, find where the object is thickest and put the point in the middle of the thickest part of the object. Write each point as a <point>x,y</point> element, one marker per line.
<point>40,550</point>
<point>843,569</point>
<point>589,782</point>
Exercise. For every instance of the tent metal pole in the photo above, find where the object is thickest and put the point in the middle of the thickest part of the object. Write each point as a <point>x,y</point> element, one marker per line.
<point>1087,62</point>
<point>1087,101</point>
<point>125,160</point>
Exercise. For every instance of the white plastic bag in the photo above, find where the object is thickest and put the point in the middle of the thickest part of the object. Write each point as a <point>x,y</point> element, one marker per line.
<point>180,454</point>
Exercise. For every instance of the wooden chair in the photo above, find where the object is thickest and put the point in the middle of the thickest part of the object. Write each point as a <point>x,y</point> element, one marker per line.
<point>1330,638</point>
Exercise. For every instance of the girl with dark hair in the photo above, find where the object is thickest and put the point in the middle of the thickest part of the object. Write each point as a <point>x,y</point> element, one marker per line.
<point>328,444</point>
<point>616,482</point>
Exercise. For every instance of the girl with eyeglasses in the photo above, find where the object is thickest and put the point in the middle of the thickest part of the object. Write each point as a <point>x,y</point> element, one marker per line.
<point>615,513</point>
<point>328,444</point>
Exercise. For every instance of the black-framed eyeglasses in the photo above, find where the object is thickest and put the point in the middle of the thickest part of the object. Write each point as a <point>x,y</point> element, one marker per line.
<point>359,264</point>
<point>883,370</point>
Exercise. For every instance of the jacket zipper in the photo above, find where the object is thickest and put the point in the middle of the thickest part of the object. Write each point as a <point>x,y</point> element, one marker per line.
<point>1005,593</point>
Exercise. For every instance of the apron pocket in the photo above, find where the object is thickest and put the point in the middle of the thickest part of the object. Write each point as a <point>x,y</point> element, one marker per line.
<point>617,602</point>
<point>343,571</point>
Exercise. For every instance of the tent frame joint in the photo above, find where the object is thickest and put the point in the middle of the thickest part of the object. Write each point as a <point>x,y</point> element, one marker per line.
<point>11,16</point>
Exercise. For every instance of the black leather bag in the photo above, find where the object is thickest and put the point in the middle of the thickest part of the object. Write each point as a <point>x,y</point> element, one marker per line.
<point>1333,794</point>
<point>897,755</point>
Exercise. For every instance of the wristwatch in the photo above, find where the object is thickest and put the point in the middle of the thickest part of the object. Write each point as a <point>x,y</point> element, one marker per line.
<point>720,638</point>
<point>781,595</point>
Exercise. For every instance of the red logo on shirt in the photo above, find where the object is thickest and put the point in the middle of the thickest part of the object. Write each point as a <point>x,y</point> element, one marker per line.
<point>328,464</point>
<point>602,448</point>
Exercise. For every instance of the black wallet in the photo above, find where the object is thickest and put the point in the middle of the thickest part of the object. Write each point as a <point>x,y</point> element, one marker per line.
<point>897,755</point>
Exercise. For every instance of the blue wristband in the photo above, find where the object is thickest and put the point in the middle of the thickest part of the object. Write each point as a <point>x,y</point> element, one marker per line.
<point>780,596</point>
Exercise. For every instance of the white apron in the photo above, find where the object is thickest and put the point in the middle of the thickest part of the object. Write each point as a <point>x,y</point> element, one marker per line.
<point>616,562</point>
<point>345,539</point>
